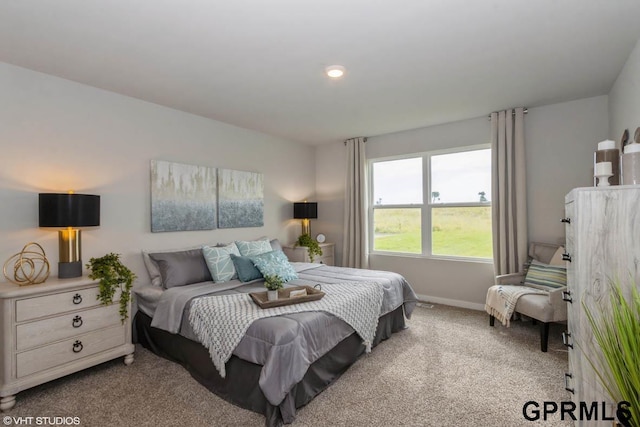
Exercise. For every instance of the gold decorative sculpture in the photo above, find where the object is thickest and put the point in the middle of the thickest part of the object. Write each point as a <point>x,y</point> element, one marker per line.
<point>30,266</point>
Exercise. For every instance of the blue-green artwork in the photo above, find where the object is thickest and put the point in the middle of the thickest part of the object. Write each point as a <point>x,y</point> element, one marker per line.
<point>183,197</point>
<point>240,199</point>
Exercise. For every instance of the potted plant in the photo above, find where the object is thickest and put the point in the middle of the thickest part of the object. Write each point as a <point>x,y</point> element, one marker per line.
<point>312,246</point>
<point>616,328</point>
<point>273,283</point>
<point>113,275</point>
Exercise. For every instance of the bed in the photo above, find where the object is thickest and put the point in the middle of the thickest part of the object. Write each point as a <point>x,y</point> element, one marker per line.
<point>280,363</point>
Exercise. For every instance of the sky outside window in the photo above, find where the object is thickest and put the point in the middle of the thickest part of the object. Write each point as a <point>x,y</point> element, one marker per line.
<point>398,182</point>
<point>456,177</point>
<point>461,177</point>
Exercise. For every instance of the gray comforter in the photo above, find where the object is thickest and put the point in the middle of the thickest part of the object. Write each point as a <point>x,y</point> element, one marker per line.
<point>286,345</point>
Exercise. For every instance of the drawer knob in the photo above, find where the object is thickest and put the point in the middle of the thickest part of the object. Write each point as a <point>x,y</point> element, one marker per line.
<point>77,299</point>
<point>566,220</point>
<point>565,339</point>
<point>77,322</point>
<point>77,346</point>
<point>566,296</point>
<point>566,257</point>
<point>567,377</point>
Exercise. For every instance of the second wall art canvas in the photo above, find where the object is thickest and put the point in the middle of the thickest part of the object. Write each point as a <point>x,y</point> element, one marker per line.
<point>240,199</point>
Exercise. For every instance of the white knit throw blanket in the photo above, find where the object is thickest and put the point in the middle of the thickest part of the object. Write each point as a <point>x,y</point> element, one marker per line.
<point>220,322</point>
<point>502,300</point>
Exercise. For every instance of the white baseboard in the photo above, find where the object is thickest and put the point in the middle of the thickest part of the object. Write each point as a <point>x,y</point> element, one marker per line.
<point>451,302</point>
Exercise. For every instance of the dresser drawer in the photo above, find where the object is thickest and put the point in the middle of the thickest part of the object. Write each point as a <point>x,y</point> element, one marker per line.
<point>39,359</point>
<point>52,304</point>
<point>68,325</point>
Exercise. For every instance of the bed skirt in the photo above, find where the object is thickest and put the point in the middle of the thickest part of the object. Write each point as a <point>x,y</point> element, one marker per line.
<point>240,386</point>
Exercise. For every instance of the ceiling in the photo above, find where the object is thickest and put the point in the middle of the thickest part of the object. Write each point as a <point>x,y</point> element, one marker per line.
<point>259,64</point>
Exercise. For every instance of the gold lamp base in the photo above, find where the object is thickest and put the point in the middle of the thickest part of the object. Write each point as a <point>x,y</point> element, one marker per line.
<point>306,227</point>
<point>69,248</point>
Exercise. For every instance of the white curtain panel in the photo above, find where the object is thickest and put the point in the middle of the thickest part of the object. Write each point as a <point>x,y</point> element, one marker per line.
<point>354,244</point>
<point>509,193</point>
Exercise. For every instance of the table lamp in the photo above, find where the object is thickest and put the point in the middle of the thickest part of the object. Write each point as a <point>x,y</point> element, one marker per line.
<point>69,210</point>
<point>305,211</point>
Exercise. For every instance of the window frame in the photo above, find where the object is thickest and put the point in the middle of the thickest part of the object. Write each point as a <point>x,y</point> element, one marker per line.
<point>426,207</point>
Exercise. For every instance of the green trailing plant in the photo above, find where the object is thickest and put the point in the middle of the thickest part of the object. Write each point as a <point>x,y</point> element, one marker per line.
<point>312,246</point>
<point>112,275</point>
<point>273,283</point>
<point>616,329</point>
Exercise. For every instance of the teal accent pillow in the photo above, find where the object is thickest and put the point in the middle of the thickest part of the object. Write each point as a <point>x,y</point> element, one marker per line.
<point>253,247</point>
<point>245,268</point>
<point>274,263</point>
<point>218,259</point>
<point>545,277</point>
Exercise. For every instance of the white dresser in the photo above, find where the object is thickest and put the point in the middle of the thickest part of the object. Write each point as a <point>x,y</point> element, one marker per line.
<point>53,329</point>
<point>301,253</point>
<point>602,242</point>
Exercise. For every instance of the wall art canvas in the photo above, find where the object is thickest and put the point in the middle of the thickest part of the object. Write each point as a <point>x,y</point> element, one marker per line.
<point>240,199</point>
<point>183,197</point>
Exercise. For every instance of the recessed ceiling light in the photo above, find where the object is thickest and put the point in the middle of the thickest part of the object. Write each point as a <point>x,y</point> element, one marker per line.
<point>335,71</point>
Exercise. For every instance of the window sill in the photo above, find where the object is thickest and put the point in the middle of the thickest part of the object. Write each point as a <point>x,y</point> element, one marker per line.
<point>433,257</point>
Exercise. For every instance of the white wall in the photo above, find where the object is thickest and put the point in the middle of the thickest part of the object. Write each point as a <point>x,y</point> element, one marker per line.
<point>624,99</point>
<point>331,164</point>
<point>57,135</point>
<point>560,140</point>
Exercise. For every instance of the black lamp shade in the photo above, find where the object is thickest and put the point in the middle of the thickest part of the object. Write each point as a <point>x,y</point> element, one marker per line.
<point>305,210</point>
<point>69,210</point>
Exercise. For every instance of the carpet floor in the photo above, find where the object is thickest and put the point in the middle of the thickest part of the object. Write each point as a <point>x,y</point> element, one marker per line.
<point>450,368</point>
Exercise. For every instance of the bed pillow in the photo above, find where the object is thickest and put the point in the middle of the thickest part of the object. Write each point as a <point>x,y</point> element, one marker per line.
<point>219,262</point>
<point>274,263</point>
<point>245,268</point>
<point>181,268</point>
<point>253,247</point>
<point>545,277</point>
<point>152,266</point>
<point>275,245</point>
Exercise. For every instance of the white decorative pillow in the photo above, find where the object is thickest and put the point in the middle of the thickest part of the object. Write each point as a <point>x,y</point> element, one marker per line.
<point>253,247</point>
<point>219,261</point>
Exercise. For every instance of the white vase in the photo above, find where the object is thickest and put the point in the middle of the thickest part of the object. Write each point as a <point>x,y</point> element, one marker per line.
<point>272,295</point>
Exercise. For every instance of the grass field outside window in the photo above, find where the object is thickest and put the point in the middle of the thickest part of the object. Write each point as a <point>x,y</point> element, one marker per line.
<point>463,232</point>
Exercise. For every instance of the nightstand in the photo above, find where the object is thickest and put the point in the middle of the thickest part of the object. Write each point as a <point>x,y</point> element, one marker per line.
<point>301,253</point>
<point>53,329</point>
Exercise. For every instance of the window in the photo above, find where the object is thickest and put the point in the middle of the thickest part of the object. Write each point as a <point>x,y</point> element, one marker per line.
<point>397,214</point>
<point>433,204</point>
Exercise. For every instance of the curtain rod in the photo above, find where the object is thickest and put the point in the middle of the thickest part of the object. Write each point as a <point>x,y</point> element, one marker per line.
<point>526,110</point>
<point>365,140</point>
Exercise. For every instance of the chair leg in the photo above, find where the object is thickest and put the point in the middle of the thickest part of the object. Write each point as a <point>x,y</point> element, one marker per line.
<point>492,320</point>
<point>544,336</point>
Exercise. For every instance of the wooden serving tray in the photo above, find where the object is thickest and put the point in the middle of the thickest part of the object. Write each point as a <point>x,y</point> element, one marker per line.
<point>260,298</point>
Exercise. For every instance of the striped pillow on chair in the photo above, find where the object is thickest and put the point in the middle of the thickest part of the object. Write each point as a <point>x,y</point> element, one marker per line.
<point>545,277</point>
